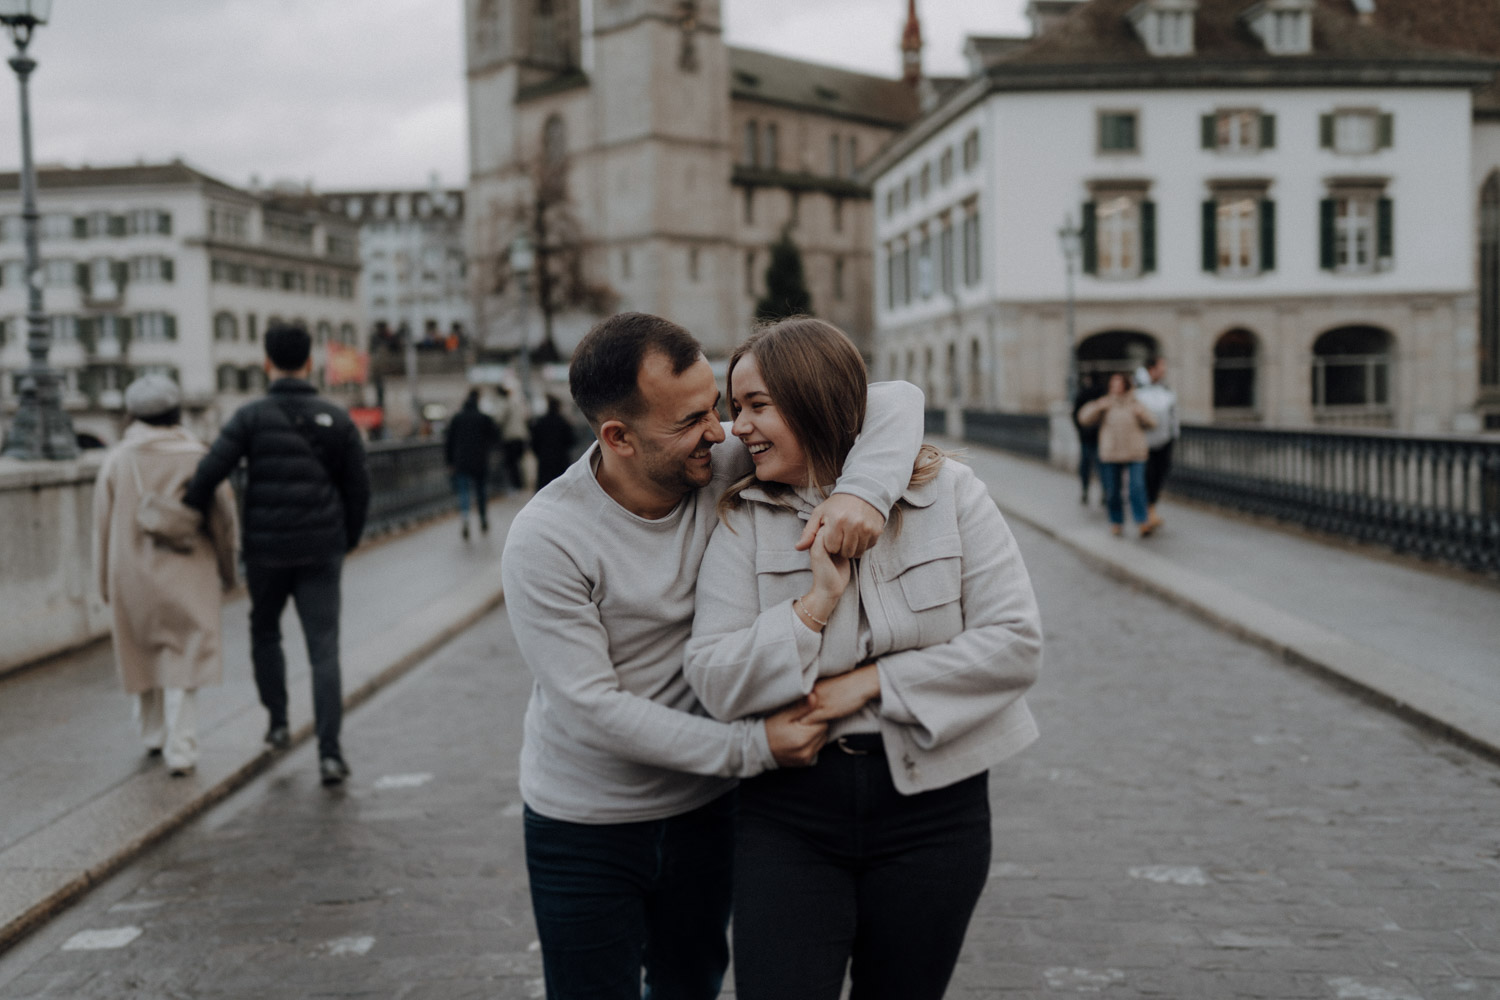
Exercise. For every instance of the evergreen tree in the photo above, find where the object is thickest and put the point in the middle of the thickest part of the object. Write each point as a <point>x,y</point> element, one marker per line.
<point>786,284</point>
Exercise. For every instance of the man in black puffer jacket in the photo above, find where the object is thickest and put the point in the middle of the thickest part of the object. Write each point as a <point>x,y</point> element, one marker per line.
<point>306,496</point>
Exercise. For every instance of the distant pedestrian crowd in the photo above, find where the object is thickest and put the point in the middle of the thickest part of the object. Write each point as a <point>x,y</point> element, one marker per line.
<point>1127,424</point>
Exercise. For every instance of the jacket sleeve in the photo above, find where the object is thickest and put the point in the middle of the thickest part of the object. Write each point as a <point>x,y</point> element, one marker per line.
<point>1143,415</point>
<point>561,637</point>
<point>945,690</point>
<point>742,661</point>
<point>223,529</point>
<point>354,485</point>
<point>104,501</point>
<point>1092,412</point>
<point>225,453</point>
<point>878,467</point>
<point>448,445</point>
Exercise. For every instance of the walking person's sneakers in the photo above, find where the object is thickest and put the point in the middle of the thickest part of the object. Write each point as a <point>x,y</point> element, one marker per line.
<point>279,737</point>
<point>333,770</point>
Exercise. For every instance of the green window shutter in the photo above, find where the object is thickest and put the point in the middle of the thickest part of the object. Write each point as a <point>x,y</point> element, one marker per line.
<point>125,330</point>
<point>86,333</point>
<point>168,268</point>
<point>80,228</point>
<point>1325,234</point>
<point>164,223</point>
<point>117,225</point>
<point>120,271</point>
<point>169,326</point>
<point>1208,131</point>
<point>1385,243</point>
<point>81,273</point>
<point>1211,236</point>
<point>1325,131</point>
<point>1267,131</point>
<point>1386,133</point>
<point>1090,248</point>
<point>1267,235</point>
<point>1148,237</point>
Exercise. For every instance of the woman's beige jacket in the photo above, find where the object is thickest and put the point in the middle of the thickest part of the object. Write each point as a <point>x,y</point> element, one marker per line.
<point>1122,424</point>
<point>952,622</point>
<point>165,604</point>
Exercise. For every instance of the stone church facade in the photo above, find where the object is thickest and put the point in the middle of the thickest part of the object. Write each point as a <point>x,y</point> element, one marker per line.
<point>683,159</point>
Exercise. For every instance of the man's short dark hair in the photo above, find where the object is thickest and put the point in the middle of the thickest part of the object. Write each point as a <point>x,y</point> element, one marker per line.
<point>605,374</point>
<point>288,346</point>
<point>171,418</point>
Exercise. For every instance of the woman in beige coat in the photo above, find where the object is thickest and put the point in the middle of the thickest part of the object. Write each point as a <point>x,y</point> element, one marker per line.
<point>1123,421</point>
<point>161,569</point>
<point>917,656</point>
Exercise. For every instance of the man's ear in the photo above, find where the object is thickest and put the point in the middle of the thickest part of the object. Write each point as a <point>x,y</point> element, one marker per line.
<point>617,436</point>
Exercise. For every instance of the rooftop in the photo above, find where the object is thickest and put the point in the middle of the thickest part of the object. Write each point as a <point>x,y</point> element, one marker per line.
<point>762,76</point>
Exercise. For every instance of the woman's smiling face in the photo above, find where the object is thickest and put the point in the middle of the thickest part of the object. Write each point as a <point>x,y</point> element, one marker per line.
<point>775,450</point>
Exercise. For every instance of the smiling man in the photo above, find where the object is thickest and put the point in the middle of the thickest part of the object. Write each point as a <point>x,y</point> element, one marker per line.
<point>626,780</point>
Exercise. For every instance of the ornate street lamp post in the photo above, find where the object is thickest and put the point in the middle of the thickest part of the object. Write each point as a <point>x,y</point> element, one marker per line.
<point>1071,238</point>
<point>41,429</point>
<point>522,261</point>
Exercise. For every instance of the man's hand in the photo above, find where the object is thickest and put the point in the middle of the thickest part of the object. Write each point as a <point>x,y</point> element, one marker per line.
<point>849,526</point>
<point>794,741</point>
<point>835,697</point>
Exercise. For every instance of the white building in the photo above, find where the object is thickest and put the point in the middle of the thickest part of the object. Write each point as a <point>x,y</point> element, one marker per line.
<point>163,268</point>
<point>411,243</point>
<point>1281,197</point>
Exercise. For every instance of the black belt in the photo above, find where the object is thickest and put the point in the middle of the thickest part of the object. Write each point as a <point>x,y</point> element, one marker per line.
<point>860,744</point>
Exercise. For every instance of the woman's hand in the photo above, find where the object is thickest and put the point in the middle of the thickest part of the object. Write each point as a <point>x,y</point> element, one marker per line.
<point>794,739</point>
<point>835,697</point>
<point>831,574</point>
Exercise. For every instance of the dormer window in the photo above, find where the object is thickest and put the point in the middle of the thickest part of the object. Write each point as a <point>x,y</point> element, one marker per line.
<point>1165,26</point>
<point>1284,26</point>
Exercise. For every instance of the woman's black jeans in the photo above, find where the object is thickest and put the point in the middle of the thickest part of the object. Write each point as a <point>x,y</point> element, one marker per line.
<point>835,869</point>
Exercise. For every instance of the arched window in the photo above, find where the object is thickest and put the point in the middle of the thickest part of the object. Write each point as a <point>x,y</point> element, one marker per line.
<point>253,379</point>
<point>955,383</point>
<point>927,383</point>
<point>228,378</point>
<point>976,373</point>
<point>1489,282</point>
<point>554,141</point>
<point>325,333</point>
<point>226,327</point>
<point>346,333</point>
<point>1235,360</point>
<point>1351,374</point>
<point>1115,351</point>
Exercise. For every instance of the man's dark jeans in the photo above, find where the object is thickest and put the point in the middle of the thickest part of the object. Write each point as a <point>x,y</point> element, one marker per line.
<point>1158,464</point>
<point>613,899</point>
<point>315,589</point>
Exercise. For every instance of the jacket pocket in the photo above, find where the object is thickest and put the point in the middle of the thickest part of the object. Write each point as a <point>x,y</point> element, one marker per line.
<point>931,572</point>
<point>781,574</point>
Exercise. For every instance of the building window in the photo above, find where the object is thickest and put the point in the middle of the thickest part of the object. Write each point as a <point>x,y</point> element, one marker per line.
<point>906,192</point>
<point>1119,235</point>
<point>1234,371</point>
<point>625,270</point>
<point>64,329</point>
<point>749,205</point>
<point>924,180</point>
<point>924,266</point>
<point>945,167</point>
<point>945,257</point>
<point>225,327</point>
<point>750,272</point>
<point>838,215</point>
<point>890,203</point>
<point>1284,26</point>
<point>347,334</point>
<point>838,279</point>
<point>554,141</point>
<point>1356,132</point>
<point>324,334</point>
<point>1165,27</point>
<point>155,327</point>
<point>692,264</point>
<point>971,247</point>
<point>1117,132</point>
<point>903,274</point>
<point>154,269</point>
<point>1239,233</point>
<point>770,155</point>
<point>54,226</point>
<point>59,273</point>
<point>1239,131</point>
<point>1352,372</point>
<point>971,151</point>
<point>1489,282</point>
<point>228,378</point>
<point>1357,231</point>
<point>835,155</point>
<point>892,263</point>
<point>851,159</point>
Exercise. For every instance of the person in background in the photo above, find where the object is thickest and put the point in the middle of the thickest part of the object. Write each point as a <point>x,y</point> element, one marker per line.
<point>470,437</point>
<point>1152,391</point>
<point>512,420</point>
<point>1089,390</point>
<point>552,440</point>
<point>1122,423</point>
<point>871,860</point>
<point>162,568</point>
<point>307,492</point>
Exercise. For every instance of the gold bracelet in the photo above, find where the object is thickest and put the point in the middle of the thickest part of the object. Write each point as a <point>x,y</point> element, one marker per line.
<point>803,608</point>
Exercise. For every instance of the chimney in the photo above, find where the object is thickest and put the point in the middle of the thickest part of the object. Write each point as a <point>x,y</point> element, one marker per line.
<point>911,47</point>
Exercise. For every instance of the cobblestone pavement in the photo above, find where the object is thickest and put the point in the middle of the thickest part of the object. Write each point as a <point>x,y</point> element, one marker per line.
<point>1198,821</point>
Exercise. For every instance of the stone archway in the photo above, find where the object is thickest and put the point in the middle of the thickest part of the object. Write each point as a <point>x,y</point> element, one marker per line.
<point>1114,351</point>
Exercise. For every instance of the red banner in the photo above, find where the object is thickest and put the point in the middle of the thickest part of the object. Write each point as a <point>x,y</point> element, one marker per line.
<point>346,365</point>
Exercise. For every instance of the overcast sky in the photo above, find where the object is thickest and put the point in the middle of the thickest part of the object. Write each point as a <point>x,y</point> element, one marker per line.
<point>354,93</point>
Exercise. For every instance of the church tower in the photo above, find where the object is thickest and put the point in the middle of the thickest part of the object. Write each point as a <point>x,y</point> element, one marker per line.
<point>911,47</point>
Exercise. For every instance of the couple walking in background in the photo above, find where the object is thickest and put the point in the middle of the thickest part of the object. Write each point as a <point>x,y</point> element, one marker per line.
<point>855,647</point>
<point>473,434</point>
<point>305,499</point>
<point>1129,432</point>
